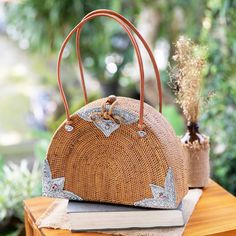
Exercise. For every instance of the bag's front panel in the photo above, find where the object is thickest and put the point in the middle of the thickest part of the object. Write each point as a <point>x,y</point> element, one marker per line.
<point>118,168</point>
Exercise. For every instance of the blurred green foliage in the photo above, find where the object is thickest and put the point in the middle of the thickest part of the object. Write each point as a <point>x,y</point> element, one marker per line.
<point>41,146</point>
<point>22,107</point>
<point>45,24</point>
<point>211,23</point>
<point>219,34</point>
<point>173,116</point>
<point>17,183</point>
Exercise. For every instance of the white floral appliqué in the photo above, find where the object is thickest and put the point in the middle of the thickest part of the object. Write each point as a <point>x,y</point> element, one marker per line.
<point>164,198</point>
<point>54,187</point>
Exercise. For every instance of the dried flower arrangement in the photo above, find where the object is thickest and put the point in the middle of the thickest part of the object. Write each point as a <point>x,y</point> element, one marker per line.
<point>186,80</point>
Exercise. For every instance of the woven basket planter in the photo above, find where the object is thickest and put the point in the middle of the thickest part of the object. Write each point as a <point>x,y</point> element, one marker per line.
<point>197,162</point>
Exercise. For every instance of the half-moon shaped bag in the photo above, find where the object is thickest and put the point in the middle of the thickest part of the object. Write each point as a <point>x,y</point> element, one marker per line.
<point>116,149</point>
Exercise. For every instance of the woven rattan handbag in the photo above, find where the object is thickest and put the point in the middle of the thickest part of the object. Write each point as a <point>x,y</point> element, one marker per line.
<point>116,149</point>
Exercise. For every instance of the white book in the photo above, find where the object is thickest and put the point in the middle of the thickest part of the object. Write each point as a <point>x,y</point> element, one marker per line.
<point>84,216</point>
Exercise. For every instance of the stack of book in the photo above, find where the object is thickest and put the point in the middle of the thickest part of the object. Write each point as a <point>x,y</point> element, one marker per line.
<point>87,216</point>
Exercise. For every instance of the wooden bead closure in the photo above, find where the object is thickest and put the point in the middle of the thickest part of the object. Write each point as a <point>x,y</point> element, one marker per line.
<point>111,99</point>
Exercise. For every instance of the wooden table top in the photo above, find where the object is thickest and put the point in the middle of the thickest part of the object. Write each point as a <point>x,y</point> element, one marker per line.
<point>215,213</point>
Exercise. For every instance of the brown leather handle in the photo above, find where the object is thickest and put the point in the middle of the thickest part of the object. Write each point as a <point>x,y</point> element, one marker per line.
<point>78,27</point>
<point>133,29</point>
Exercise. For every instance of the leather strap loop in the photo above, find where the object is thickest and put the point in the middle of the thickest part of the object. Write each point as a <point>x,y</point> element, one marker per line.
<point>132,28</point>
<point>78,27</point>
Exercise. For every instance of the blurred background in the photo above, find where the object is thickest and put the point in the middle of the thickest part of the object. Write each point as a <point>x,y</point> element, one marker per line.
<point>31,33</point>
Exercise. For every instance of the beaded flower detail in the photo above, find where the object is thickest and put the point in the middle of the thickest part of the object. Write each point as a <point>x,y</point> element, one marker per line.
<point>54,187</point>
<point>162,197</point>
<point>107,126</point>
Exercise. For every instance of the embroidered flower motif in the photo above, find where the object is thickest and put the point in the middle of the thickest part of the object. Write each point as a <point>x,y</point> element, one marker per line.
<point>54,187</point>
<point>162,197</point>
<point>107,126</point>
